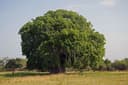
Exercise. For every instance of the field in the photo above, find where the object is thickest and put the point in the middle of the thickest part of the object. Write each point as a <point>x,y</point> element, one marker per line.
<point>86,78</point>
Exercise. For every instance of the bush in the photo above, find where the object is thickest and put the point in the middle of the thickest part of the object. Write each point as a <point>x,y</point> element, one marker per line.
<point>120,64</point>
<point>12,64</point>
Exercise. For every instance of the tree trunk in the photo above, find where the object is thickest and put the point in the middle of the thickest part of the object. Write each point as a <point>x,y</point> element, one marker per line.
<point>57,70</point>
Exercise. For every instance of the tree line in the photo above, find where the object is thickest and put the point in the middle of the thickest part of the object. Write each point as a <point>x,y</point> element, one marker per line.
<point>12,64</point>
<point>18,64</point>
<point>107,65</point>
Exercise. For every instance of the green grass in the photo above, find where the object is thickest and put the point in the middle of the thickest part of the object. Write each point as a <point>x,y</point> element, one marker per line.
<point>22,74</point>
<point>41,78</point>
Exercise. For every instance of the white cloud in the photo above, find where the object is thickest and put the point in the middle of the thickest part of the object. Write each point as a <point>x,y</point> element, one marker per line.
<point>108,3</point>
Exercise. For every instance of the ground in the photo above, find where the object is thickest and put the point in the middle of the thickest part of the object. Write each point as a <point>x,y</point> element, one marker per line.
<point>86,78</point>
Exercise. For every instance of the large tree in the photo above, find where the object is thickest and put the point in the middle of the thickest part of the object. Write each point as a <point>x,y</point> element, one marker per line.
<point>61,39</point>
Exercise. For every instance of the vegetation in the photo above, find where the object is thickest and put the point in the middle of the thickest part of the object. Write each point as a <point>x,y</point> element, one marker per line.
<point>120,64</point>
<point>107,65</point>
<point>88,78</point>
<point>3,62</point>
<point>61,39</point>
<point>12,64</point>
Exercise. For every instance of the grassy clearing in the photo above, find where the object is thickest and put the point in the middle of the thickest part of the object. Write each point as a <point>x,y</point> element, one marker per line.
<point>87,78</point>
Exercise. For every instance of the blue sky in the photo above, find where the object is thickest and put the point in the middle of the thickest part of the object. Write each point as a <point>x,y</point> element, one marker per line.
<point>109,17</point>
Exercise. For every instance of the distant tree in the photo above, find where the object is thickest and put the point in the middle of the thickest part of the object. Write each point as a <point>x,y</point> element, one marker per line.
<point>3,62</point>
<point>120,64</point>
<point>108,64</point>
<point>125,61</point>
<point>21,63</point>
<point>61,39</point>
<point>102,67</point>
<point>13,64</point>
<point>1,65</point>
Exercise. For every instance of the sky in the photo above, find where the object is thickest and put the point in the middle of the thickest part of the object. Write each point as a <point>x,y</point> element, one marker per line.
<point>109,17</point>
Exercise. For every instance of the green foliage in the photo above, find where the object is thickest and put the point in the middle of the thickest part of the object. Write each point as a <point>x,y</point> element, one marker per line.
<point>3,62</point>
<point>12,64</point>
<point>121,64</point>
<point>1,65</point>
<point>61,39</point>
<point>106,65</point>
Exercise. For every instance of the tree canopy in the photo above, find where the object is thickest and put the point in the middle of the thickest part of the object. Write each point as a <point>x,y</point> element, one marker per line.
<point>61,39</point>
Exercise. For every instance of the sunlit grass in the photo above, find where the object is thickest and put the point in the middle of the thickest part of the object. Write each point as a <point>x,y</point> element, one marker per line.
<point>87,78</point>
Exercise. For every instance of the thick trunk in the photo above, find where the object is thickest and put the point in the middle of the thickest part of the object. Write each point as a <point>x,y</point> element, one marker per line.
<point>61,68</point>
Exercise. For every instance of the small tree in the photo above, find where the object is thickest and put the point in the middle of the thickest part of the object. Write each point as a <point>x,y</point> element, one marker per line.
<point>3,62</point>
<point>108,64</point>
<point>120,64</point>
<point>1,65</point>
<point>12,64</point>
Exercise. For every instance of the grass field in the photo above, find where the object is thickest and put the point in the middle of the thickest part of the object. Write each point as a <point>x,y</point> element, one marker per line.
<point>87,78</point>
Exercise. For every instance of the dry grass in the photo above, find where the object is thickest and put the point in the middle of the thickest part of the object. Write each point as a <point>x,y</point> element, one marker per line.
<point>87,78</point>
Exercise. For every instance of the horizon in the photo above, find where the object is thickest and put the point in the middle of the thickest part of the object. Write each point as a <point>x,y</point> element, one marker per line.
<point>109,17</point>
